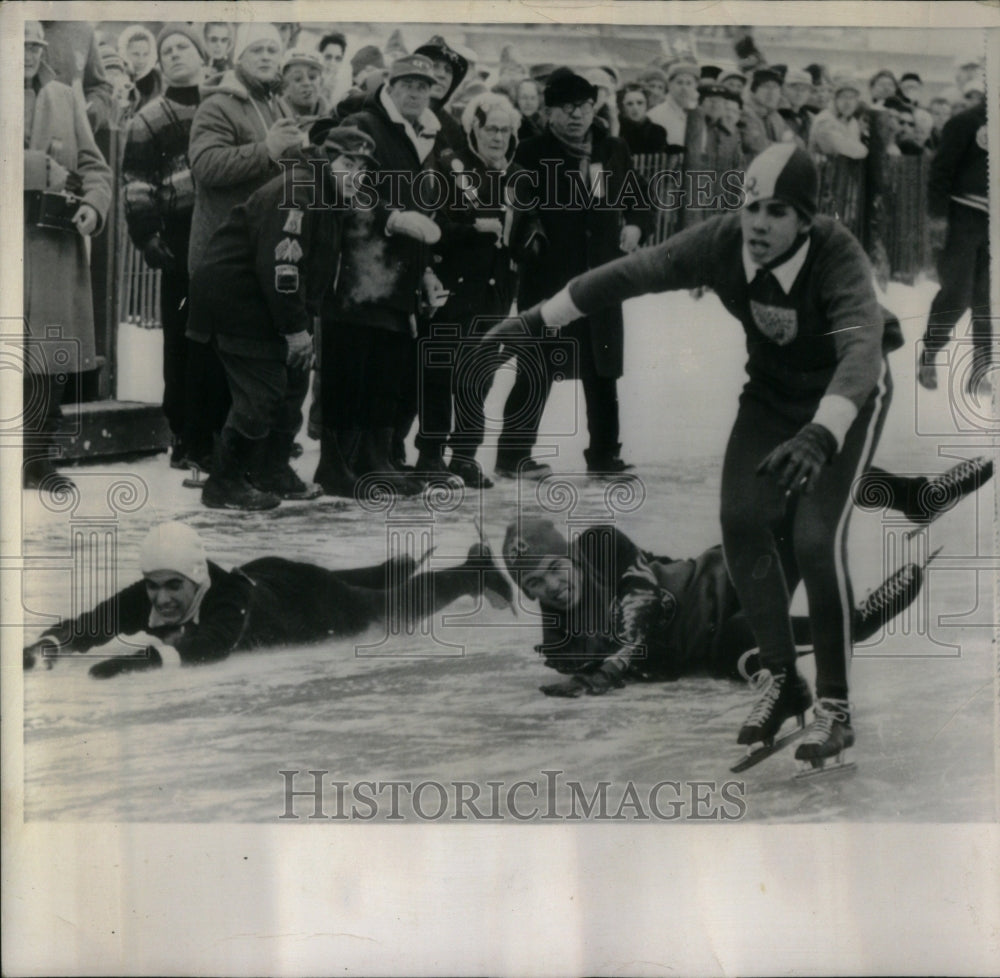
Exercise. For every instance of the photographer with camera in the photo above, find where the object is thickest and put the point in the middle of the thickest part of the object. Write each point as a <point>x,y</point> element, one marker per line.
<point>67,192</point>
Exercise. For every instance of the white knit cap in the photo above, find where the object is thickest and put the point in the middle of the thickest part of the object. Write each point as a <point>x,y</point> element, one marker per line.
<point>247,34</point>
<point>174,547</point>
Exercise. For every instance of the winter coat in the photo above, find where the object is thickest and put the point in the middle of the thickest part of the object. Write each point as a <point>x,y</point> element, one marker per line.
<point>833,136</point>
<point>263,274</point>
<point>712,149</point>
<point>960,169</point>
<point>381,275</point>
<point>228,153</point>
<point>57,289</point>
<point>582,237</point>
<point>671,610</point>
<point>156,172</point>
<point>799,122</point>
<point>643,137</point>
<point>479,269</point>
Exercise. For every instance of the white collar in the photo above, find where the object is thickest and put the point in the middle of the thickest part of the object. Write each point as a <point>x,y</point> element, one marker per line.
<point>429,122</point>
<point>785,273</point>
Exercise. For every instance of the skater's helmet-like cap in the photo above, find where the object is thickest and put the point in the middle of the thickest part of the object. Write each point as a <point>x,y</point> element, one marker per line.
<point>786,172</point>
<point>529,542</point>
<point>174,547</point>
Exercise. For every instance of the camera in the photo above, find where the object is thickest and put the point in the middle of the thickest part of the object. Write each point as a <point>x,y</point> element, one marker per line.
<point>52,209</point>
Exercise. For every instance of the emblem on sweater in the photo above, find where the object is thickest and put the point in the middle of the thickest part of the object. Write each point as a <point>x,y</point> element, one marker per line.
<point>778,323</point>
<point>288,250</point>
<point>293,223</point>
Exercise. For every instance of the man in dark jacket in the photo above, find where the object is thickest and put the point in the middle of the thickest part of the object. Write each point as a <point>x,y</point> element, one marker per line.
<point>256,291</point>
<point>159,201</point>
<point>370,324</point>
<point>958,205</point>
<point>191,604</point>
<point>592,210</point>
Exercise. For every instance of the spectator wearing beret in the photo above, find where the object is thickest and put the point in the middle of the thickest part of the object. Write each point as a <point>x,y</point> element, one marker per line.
<point>765,98</point>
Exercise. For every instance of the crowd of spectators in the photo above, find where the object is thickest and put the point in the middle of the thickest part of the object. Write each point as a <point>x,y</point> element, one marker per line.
<point>209,114</point>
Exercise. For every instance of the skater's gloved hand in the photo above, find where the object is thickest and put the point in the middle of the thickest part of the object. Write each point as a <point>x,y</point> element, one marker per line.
<point>413,224</point>
<point>300,350</point>
<point>797,463</point>
<point>524,325</point>
<point>157,254</point>
<point>46,648</point>
<point>570,688</point>
<point>147,658</point>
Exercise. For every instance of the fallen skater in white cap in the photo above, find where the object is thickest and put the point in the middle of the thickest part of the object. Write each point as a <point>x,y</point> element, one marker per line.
<point>190,603</point>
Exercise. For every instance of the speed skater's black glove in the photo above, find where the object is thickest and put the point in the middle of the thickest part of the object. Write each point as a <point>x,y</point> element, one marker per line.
<point>592,683</point>
<point>797,463</point>
<point>157,254</point>
<point>147,658</point>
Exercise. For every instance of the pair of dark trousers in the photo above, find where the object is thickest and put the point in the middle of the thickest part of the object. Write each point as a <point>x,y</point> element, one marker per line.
<point>963,268</point>
<point>267,395</point>
<point>173,316</point>
<point>539,363</point>
<point>208,399</point>
<point>773,540</point>
<point>364,373</point>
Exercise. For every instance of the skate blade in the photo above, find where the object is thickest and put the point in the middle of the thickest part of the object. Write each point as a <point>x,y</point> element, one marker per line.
<point>761,751</point>
<point>822,767</point>
<point>196,480</point>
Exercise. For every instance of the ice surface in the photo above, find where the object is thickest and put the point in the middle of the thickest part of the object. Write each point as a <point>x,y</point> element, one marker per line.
<point>206,744</point>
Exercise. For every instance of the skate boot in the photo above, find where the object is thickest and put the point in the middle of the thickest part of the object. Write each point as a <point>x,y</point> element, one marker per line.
<point>469,471</point>
<point>941,492</point>
<point>893,596</point>
<point>272,473</point>
<point>783,694</point>
<point>228,487</point>
<point>495,587</point>
<point>828,737</point>
<point>333,473</point>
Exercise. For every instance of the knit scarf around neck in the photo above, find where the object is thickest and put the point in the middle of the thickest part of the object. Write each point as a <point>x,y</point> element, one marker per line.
<point>582,148</point>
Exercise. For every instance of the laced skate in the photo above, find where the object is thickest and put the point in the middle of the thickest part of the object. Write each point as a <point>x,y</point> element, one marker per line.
<point>823,749</point>
<point>783,694</point>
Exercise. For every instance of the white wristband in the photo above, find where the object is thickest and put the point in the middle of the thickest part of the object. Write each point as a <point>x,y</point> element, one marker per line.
<point>836,413</point>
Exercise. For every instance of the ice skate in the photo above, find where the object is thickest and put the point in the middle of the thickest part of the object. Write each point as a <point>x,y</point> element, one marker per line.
<point>823,749</point>
<point>197,477</point>
<point>783,695</point>
<point>496,587</point>
<point>896,593</point>
<point>943,492</point>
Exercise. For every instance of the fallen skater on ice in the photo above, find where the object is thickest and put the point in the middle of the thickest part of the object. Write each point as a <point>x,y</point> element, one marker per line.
<point>204,612</point>
<point>809,419</point>
<point>612,612</point>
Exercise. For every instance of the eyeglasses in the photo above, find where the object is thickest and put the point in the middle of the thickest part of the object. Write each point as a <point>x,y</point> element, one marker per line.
<point>498,130</point>
<point>582,108</point>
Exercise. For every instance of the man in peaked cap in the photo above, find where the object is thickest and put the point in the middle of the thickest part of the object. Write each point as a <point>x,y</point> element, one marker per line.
<point>809,417</point>
<point>189,603</point>
<point>256,291</point>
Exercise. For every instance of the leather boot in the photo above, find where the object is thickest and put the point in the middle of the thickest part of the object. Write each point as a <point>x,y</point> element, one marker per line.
<point>373,458</point>
<point>272,473</point>
<point>228,487</point>
<point>333,473</point>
